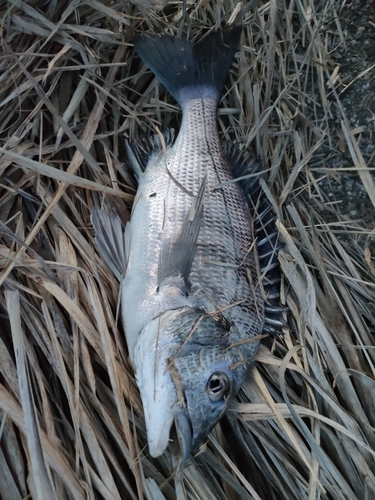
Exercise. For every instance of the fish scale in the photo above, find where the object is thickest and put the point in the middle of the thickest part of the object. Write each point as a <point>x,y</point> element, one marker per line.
<point>191,302</point>
<point>225,234</point>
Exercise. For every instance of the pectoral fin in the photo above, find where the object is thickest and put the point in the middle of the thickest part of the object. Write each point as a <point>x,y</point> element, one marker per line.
<point>177,253</point>
<point>110,238</point>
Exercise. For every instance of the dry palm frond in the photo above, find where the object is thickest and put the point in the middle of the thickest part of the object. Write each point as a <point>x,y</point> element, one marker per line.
<point>71,90</point>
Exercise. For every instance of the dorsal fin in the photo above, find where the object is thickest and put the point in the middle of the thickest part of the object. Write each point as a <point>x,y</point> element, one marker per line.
<point>248,170</point>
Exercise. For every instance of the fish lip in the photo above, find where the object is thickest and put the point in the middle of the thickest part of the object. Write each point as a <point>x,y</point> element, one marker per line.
<point>189,441</point>
<point>184,434</point>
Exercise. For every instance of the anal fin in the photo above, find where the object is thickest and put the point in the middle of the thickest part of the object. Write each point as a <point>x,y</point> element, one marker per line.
<point>140,150</point>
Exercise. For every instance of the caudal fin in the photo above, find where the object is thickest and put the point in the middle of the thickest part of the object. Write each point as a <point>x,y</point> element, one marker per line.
<point>190,71</point>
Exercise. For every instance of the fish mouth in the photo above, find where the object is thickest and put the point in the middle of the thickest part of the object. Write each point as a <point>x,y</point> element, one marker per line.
<point>195,420</point>
<point>189,438</point>
<point>184,434</point>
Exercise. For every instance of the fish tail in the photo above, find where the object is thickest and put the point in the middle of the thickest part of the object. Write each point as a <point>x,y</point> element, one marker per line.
<point>190,71</point>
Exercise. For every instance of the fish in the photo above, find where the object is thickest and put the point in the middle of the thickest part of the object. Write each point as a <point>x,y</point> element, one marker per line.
<point>192,304</point>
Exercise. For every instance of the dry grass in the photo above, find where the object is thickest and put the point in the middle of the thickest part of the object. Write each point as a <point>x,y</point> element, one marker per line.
<point>71,418</point>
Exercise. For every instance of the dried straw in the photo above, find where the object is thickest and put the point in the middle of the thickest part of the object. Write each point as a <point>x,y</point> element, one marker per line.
<point>71,90</point>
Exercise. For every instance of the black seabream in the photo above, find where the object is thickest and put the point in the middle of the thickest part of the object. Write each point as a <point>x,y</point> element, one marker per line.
<point>192,305</point>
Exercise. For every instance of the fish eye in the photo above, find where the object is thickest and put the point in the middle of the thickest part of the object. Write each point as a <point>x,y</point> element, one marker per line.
<point>218,386</point>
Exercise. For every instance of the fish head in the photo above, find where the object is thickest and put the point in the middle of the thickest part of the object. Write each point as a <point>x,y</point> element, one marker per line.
<point>211,368</point>
<point>188,366</point>
<point>207,388</point>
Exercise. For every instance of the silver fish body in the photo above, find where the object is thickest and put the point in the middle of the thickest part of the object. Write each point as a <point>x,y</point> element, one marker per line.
<point>223,278</point>
<point>191,301</point>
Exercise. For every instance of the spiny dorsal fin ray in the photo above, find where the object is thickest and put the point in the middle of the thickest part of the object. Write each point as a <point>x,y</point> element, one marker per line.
<point>109,236</point>
<point>248,170</point>
<point>244,164</point>
<point>177,253</point>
